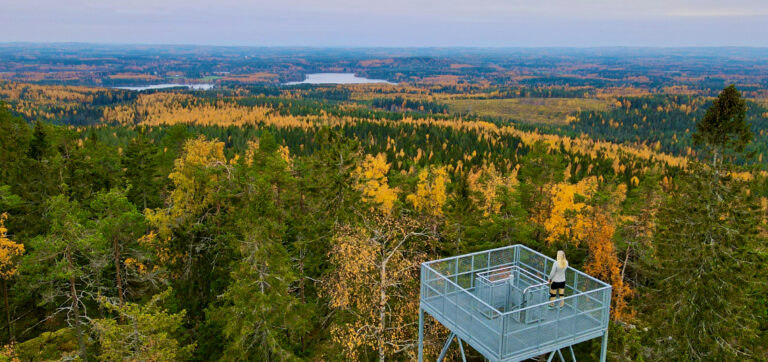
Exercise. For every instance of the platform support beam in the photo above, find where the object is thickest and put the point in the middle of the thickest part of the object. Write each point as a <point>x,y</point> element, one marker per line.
<point>448,345</point>
<point>560,354</point>
<point>604,349</point>
<point>445,347</point>
<point>421,334</point>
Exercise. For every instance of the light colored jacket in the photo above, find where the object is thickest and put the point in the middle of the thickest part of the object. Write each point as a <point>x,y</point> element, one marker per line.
<point>558,274</point>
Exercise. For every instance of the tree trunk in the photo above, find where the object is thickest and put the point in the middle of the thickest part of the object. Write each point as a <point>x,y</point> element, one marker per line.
<point>76,309</point>
<point>382,309</point>
<point>278,204</point>
<point>7,310</point>
<point>118,276</point>
<point>302,297</point>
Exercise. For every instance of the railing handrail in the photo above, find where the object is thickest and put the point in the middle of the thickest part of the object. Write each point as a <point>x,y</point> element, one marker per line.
<point>533,286</point>
<point>553,260</point>
<point>563,299</point>
<point>534,276</point>
<point>498,271</point>
<point>475,297</point>
<point>471,254</point>
<point>512,247</point>
<point>463,289</point>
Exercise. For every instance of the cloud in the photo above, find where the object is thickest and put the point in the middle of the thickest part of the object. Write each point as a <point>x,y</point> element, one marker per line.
<point>389,22</point>
<point>716,12</point>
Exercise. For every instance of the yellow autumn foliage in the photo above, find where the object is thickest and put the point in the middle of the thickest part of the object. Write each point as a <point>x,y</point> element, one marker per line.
<point>430,195</point>
<point>566,218</point>
<point>371,181</point>
<point>194,179</point>
<point>375,278</point>
<point>9,251</point>
<point>487,181</point>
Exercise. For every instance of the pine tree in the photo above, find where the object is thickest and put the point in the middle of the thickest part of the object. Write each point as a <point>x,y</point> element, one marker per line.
<point>66,264</point>
<point>121,225</point>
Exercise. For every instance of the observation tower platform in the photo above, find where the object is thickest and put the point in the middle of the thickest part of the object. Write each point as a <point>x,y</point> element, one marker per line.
<point>497,302</point>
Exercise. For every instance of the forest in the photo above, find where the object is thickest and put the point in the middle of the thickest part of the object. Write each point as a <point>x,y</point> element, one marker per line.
<point>262,222</point>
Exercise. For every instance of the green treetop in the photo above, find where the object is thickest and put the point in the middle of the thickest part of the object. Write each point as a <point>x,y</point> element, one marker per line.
<point>723,126</point>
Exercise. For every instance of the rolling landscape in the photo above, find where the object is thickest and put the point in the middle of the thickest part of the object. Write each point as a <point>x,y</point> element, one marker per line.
<point>282,203</point>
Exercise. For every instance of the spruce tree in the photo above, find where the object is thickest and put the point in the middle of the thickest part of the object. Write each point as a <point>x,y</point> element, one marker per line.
<point>711,278</point>
<point>262,318</point>
<point>710,271</point>
<point>39,144</point>
<point>141,165</point>
<point>723,128</point>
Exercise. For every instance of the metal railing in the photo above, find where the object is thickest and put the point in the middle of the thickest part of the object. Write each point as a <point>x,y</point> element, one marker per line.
<point>497,301</point>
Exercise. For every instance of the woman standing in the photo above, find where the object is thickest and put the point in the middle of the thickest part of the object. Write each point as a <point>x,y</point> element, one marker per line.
<point>557,279</point>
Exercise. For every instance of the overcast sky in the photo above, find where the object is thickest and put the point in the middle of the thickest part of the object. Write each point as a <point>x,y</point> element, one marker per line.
<point>390,22</point>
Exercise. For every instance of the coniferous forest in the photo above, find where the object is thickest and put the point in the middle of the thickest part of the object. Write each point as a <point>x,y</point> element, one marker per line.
<point>257,221</point>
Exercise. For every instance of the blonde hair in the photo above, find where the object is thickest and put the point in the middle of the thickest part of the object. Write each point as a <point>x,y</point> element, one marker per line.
<point>561,261</point>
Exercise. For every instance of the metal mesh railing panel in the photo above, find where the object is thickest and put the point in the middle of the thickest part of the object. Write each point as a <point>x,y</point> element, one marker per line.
<point>497,300</point>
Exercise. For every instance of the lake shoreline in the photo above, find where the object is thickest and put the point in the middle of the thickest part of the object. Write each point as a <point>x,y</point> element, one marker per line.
<point>205,86</point>
<point>338,78</point>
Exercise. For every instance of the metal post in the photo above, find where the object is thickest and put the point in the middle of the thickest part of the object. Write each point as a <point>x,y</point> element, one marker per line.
<point>604,349</point>
<point>421,334</point>
<point>557,324</point>
<point>444,296</point>
<point>461,348</point>
<point>472,274</point>
<point>517,255</point>
<point>503,343</point>
<point>576,291</point>
<point>573,355</point>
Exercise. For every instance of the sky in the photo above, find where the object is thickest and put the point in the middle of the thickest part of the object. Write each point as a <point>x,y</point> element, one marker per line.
<point>390,23</point>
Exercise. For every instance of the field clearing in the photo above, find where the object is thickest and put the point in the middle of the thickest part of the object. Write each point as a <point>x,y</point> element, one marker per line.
<point>211,78</point>
<point>532,110</point>
<point>251,78</point>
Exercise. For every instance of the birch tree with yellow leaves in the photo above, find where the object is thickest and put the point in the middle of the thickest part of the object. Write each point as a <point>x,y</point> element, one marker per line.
<point>430,194</point>
<point>372,182</point>
<point>374,286</point>
<point>567,220</point>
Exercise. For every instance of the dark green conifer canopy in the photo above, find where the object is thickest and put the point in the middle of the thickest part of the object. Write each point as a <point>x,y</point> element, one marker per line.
<point>723,126</point>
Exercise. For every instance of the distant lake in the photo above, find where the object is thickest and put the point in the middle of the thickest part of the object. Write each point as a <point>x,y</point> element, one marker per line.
<point>336,78</point>
<point>168,85</point>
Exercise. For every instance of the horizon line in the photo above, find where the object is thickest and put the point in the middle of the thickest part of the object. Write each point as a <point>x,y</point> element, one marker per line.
<point>23,42</point>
